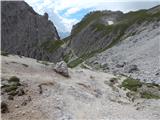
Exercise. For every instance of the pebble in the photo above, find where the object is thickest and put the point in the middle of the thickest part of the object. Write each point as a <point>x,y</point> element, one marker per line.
<point>16,106</point>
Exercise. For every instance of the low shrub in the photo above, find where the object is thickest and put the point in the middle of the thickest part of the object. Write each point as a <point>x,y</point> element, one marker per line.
<point>14,79</point>
<point>131,84</point>
<point>4,53</point>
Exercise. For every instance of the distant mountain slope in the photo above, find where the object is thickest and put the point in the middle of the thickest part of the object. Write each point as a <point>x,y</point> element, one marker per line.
<point>101,30</point>
<point>86,36</point>
<point>118,43</point>
<point>24,32</point>
<point>137,55</point>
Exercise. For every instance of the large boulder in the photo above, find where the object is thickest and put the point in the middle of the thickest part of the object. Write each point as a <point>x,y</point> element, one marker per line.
<point>120,64</point>
<point>61,67</point>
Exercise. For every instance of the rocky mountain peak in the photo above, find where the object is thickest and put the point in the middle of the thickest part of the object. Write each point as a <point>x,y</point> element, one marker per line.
<point>24,32</point>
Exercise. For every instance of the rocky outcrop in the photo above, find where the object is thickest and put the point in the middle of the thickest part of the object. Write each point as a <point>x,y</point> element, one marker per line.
<point>24,32</point>
<point>61,68</point>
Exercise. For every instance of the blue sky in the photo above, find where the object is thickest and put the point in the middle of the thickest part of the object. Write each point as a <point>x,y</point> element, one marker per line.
<point>66,13</point>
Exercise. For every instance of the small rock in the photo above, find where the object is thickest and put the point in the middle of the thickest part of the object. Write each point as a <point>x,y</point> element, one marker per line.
<point>23,113</point>
<point>29,98</point>
<point>24,103</point>
<point>132,68</point>
<point>61,67</point>
<point>104,65</point>
<point>120,65</point>
<point>98,92</point>
<point>4,107</point>
<point>113,80</point>
<point>16,106</point>
<point>10,97</point>
<point>20,92</point>
<point>138,108</point>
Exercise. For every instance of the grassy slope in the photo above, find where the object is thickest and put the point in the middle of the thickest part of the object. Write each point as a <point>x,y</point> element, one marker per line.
<point>51,46</point>
<point>87,19</point>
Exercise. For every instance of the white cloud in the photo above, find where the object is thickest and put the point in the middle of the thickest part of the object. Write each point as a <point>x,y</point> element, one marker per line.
<point>72,11</point>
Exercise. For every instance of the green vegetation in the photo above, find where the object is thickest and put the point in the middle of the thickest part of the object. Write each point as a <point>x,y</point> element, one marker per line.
<point>68,56</point>
<point>135,86</point>
<point>87,19</point>
<point>66,39</point>
<point>44,62</point>
<point>11,86</point>
<point>148,95</point>
<point>51,46</point>
<point>4,53</point>
<point>14,79</point>
<point>131,84</point>
<point>75,62</point>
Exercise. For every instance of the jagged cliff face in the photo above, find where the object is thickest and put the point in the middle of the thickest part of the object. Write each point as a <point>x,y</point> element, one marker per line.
<point>24,32</point>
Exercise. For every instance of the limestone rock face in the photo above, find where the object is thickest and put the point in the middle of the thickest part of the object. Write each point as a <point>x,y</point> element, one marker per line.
<point>24,31</point>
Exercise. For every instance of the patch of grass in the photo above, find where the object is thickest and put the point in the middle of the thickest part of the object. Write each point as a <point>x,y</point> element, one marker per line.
<point>14,79</point>
<point>10,88</point>
<point>45,63</point>
<point>86,20</point>
<point>101,27</point>
<point>51,46</point>
<point>148,95</point>
<point>66,57</point>
<point>131,84</point>
<point>135,87</point>
<point>66,39</point>
<point>75,62</point>
<point>4,53</point>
